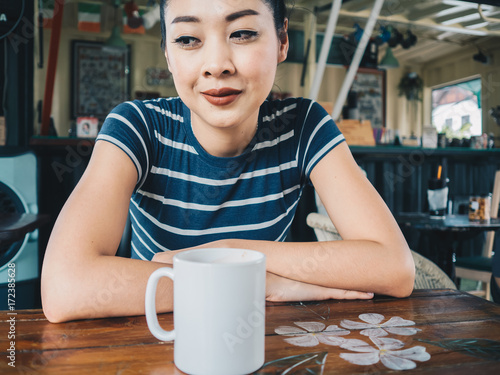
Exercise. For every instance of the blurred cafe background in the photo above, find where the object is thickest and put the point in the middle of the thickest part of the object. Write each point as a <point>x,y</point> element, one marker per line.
<point>425,96</point>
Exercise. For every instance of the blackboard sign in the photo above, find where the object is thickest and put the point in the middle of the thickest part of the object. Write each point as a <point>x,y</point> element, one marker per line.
<point>369,86</point>
<point>100,78</point>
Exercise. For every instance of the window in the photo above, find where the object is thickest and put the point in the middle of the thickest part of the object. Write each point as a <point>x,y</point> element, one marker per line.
<point>456,109</point>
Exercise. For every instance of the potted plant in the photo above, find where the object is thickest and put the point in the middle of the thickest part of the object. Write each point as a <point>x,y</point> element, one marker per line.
<point>411,86</point>
<point>495,113</point>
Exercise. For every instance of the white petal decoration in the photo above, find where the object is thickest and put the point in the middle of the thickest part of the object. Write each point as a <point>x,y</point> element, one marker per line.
<point>396,363</point>
<point>289,331</point>
<point>396,321</point>
<point>336,330</point>
<point>362,359</point>
<point>351,324</point>
<point>331,340</point>
<point>358,346</point>
<point>374,332</point>
<point>417,353</point>
<point>371,318</point>
<point>311,326</point>
<point>387,343</point>
<point>403,331</point>
<point>305,340</point>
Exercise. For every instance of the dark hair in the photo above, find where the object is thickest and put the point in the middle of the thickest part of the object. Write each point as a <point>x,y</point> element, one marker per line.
<point>278,8</point>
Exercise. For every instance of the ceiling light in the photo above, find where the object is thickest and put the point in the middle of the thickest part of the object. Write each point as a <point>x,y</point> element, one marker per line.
<point>116,40</point>
<point>389,61</point>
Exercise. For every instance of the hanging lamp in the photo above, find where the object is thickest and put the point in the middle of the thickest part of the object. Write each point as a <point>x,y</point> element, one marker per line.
<point>115,40</point>
<point>389,61</point>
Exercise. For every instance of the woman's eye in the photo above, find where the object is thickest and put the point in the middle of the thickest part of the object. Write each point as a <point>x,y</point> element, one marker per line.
<point>243,35</point>
<point>186,41</point>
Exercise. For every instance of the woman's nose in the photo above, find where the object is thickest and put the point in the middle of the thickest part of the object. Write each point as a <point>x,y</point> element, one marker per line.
<point>218,59</point>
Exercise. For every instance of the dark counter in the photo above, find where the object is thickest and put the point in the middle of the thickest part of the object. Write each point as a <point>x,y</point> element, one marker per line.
<point>399,174</point>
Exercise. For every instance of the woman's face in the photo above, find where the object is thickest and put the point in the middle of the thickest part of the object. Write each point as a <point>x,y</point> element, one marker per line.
<point>223,56</point>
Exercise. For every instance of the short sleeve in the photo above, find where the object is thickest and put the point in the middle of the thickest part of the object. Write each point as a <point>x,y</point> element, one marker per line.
<point>126,128</point>
<point>318,135</point>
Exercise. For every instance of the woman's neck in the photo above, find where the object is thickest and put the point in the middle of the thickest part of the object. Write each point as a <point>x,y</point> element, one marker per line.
<point>224,141</point>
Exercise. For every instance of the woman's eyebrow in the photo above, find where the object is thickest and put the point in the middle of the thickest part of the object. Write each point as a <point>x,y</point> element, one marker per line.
<point>242,13</point>
<point>185,19</point>
<point>229,18</point>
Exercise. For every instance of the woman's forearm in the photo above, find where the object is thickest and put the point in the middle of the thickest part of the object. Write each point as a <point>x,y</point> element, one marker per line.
<point>360,265</point>
<point>104,286</point>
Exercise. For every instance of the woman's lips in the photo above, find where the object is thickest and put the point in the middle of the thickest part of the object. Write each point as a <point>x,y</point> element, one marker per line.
<point>223,96</point>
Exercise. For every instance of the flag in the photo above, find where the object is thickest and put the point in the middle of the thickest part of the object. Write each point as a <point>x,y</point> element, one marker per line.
<point>127,26</point>
<point>89,17</point>
<point>47,12</point>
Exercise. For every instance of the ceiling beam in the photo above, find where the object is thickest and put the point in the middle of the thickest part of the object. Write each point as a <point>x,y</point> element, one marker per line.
<point>433,10</point>
<point>475,24</point>
<point>427,23</point>
<point>488,2</point>
<point>357,5</point>
<point>457,17</point>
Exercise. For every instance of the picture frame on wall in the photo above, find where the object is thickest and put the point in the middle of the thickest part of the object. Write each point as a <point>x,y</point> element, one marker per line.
<point>100,78</point>
<point>369,86</point>
<point>87,127</point>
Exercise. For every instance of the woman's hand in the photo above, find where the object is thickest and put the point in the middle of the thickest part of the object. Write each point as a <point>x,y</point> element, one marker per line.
<point>167,256</point>
<point>281,289</point>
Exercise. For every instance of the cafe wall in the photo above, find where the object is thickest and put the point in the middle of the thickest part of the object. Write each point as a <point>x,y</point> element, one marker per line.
<point>145,53</point>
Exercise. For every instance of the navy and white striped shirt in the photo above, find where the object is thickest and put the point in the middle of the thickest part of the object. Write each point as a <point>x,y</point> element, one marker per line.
<point>186,197</point>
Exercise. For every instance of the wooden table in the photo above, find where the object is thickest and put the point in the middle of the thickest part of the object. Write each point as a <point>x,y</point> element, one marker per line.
<point>453,332</point>
<point>445,234</point>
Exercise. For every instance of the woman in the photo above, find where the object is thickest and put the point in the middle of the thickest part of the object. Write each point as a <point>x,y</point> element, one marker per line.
<point>219,167</point>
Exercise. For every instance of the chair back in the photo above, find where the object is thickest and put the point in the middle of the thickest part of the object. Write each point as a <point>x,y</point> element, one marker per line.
<point>427,274</point>
<point>495,202</point>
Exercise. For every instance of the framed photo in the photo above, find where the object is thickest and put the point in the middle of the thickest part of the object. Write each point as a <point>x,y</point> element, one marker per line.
<point>370,87</point>
<point>87,127</point>
<point>100,78</point>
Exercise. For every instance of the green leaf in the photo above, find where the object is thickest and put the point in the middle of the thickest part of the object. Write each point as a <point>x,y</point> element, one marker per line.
<point>479,348</point>
<point>309,363</point>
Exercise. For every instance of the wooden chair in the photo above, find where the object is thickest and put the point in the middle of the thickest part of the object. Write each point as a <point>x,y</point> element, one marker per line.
<point>427,274</point>
<point>479,267</point>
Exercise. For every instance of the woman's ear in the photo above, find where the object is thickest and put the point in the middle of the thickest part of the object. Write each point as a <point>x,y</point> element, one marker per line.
<point>283,42</point>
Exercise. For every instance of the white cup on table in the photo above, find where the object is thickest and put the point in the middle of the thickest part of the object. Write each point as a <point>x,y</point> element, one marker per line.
<point>219,310</point>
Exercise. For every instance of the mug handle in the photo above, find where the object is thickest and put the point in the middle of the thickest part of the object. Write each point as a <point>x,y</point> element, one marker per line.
<point>151,317</point>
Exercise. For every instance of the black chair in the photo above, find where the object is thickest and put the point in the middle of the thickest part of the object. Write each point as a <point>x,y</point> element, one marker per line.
<point>479,267</point>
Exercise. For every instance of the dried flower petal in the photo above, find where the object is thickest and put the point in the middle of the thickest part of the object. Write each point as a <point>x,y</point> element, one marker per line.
<point>311,326</point>
<point>289,331</point>
<point>371,318</point>
<point>304,340</point>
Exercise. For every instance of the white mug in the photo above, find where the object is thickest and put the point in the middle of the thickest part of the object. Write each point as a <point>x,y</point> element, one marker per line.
<point>219,310</point>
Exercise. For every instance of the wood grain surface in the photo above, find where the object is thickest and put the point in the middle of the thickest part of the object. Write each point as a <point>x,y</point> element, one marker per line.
<point>460,333</point>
